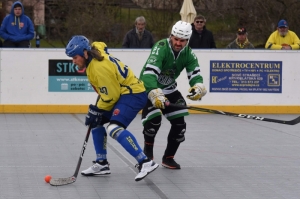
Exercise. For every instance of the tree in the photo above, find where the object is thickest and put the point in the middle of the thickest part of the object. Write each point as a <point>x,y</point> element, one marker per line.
<point>105,20</point>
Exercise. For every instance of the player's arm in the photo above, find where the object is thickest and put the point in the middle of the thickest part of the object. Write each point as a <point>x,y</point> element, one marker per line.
<point>197,89</point>
<point>153,68</point>
<point>151,73</point>
<point>109,89</point>
<point>155,94</point>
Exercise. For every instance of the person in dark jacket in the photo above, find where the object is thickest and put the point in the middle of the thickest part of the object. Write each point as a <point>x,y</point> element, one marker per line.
<point>138,37</point>
<point>17,29</point>
<point>201,37</point>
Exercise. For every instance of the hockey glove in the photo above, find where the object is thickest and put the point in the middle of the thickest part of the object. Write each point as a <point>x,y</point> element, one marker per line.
<point>94,116</point>
<point>196,92</point>
<point>157,98</point>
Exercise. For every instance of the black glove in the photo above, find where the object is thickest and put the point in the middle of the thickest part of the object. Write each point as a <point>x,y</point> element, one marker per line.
<point>94,116</point>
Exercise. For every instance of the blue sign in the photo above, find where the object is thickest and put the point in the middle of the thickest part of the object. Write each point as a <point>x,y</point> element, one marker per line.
<point>64,76</point>
<point>246,76</point>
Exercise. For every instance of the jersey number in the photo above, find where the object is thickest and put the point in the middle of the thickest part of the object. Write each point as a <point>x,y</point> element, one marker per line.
<point>155,50</point>
<point>103,90</point>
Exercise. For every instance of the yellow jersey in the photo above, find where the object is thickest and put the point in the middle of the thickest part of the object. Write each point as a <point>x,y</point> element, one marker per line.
<point>111,78</point>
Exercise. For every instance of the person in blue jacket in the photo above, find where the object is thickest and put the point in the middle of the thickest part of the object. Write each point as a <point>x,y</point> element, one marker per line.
<point>17,29</point>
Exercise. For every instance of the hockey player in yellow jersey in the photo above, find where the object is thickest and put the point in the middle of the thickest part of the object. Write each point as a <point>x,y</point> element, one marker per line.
<point>122,96</point>
<point>113,76</point>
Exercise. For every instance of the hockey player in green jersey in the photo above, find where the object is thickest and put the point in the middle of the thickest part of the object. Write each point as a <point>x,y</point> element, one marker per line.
<point>168,58</point>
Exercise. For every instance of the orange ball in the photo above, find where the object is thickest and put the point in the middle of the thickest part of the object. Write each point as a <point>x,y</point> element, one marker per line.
<point>47,178</point>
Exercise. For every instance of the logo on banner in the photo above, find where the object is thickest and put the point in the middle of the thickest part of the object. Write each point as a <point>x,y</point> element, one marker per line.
<point>274,80</point>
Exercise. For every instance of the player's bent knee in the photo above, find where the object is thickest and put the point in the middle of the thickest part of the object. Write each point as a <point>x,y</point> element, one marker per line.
<point>152,126</point>
<point>114,130</point>
<point>177,132</point>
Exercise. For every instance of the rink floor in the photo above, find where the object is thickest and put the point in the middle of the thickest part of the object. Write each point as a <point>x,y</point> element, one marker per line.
<point>222,158</point>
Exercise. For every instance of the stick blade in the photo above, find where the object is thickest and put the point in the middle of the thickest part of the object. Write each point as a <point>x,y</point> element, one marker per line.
<point>294,121</point>
<point>62,181</point>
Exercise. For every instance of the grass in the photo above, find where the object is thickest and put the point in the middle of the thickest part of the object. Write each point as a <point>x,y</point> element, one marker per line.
<point>44,43</point>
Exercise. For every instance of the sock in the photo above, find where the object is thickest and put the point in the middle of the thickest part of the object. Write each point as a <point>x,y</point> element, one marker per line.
<point>102,162</point>
<point>100,139</point>
<point>129,143</point>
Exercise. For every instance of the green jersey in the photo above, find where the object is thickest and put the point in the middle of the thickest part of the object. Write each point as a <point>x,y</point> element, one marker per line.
<point>162,68</point>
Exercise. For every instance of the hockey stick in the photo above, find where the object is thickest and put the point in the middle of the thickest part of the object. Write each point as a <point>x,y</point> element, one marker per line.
<point>290,122</point>
<point>69,180</point>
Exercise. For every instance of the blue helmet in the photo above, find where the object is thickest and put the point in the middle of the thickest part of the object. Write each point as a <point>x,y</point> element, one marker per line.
<point>77,45</point>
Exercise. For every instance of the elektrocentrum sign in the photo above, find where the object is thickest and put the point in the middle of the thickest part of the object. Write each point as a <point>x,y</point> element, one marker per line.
<point>246,76</point>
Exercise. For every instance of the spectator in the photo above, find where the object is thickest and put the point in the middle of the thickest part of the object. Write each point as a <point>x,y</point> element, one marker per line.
<point>17,29</point>
<point>138,37</point>
<point>241,41</point>
<point>201,37</point>
<point>283,38</point>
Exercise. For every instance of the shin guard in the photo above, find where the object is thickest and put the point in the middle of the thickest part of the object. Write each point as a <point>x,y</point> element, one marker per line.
<point>128,141</point>
<point>175,137</point>
<point>100,139</point>
<point>150,129</point>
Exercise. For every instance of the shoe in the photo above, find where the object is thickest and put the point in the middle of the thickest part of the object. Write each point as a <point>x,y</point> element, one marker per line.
<point>170,163</point>
<point>148,151</point>
<point>145,167</point>
<point>97,169</point>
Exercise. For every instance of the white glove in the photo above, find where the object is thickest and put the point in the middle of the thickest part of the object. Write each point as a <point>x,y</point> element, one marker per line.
<point>197,92</point>
<point>157,98</point>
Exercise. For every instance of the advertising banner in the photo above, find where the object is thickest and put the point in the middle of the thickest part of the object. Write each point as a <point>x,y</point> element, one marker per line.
<point>246,76</point>
<point>64,76</point>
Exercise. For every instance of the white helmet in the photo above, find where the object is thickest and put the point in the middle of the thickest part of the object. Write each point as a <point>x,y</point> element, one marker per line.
<point>182,30</point>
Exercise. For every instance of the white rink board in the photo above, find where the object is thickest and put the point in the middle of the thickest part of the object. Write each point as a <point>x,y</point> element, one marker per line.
<point>24,77</point>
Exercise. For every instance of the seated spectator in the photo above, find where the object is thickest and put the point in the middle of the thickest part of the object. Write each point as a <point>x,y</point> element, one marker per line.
<point>241,41</point>
<point>283,38</point>
<point>17,29</point>
<point>138,37</point>
<point>201,37</point>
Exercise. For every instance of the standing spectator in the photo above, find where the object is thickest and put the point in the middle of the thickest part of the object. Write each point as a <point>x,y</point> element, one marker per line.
<point>283,38</point>
<point>201,37</point>
<point>168,58</point>
<point>241,41</point>
<point>17,29</point>
<point>138,37</point>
